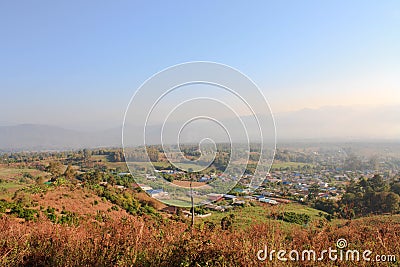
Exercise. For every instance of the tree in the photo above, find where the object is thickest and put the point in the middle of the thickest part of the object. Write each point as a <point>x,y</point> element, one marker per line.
<point>328,205</point>
<point>226,222</point>
<point>55,168</point>
<point>152,152</point>
<point>377,183</point>
<point>86,154</point>
<point>92,177</point>
<point>313,191</point>
<point>39,180</point>
<point>70,172</point>
<point>392,202</point>
<point>111,179</point>
<point>370,196</point>
<point>395,187</point>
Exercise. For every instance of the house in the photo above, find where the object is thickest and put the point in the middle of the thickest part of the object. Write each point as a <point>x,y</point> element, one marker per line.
<point>230,197</point>
<point>188,214</point>
<point>157,193</point>
<point>213,207</point>
<point>258,197</point>
<point>121,187</point>
<point>340,177</point>
<point>241,191</point>
<point>170,209</point>
<point>323,184</point>
<point>269,201</point>
<point>323,195</point>
<point>151,177</point>
<point>204,179</point>
<point>214,197</point>
<point>249,198</point>
<point>145,187</point>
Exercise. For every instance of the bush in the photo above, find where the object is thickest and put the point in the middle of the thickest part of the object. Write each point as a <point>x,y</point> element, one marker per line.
<point>227,222</point>
<point>115,208</point>
<point>21,212</point>
<point>292,217</point>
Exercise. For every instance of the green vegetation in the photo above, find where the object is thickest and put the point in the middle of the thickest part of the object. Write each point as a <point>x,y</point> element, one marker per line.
<point>292,217</point>
<point>280,165</point>
<point>368,196</point>
<point>257,213</point>
<point>365,197</point>
<point>125,200</point>
<point>227,221</point>
<point>18,210</point>
<point>9,185</point>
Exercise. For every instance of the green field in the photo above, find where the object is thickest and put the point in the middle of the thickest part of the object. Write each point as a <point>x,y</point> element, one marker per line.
<point>298,208</point>
<point>163,164</point>
<point>102,158</point>
<point>12,179</point>
<point>9,173</point>
<point>10,185</point>
<point>260,213</point>
<point>176,202</point>
<point>7,189</point>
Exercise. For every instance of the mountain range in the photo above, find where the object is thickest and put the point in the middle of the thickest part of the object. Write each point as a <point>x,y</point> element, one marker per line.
<point>327,123</point>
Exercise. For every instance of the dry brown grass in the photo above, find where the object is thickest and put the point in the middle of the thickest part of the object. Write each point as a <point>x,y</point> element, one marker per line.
<point>142,196</point>
<point>8,173</point>
<point>141,241</point>
<point>187,183</point>
<point>77,200</point>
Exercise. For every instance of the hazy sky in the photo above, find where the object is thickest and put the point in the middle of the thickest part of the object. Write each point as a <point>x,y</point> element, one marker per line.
<point>75,63</point>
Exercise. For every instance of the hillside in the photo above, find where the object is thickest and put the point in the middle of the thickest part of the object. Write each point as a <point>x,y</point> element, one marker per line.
<point>81,208</point>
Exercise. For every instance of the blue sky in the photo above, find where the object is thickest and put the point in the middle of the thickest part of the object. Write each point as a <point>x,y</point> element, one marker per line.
<point>77,63</point>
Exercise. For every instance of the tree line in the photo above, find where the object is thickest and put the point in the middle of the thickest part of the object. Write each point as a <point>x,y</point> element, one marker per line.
<point>366,196</point>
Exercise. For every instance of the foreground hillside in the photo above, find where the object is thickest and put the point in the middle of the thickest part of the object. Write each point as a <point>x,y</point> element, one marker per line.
<point>73,226</point>
<point>79,209</point>
<point>142,241</point>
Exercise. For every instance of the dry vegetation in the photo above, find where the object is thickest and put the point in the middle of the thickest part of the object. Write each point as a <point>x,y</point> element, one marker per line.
<point>80,201</point>
<point>143,197</point>
<point>142,241</point>
<point>187,184</point>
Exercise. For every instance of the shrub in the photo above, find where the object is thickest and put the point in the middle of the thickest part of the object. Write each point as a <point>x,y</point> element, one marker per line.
<point>292,217</point>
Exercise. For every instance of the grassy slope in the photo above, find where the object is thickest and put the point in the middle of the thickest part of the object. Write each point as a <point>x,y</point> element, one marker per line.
<point>7,173</point>
<point>10,179</point>
<point>246,216</point>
